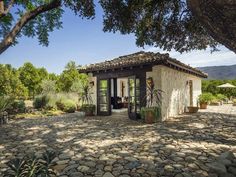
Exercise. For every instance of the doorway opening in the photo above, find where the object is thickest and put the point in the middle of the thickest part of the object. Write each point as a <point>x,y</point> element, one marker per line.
<point>119,95</point>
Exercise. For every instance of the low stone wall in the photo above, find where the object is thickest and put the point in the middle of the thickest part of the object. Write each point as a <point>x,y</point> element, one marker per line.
<point>3,118</point>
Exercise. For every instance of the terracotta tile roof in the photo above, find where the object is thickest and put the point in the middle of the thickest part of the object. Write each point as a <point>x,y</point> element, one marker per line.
<point>141,58</point>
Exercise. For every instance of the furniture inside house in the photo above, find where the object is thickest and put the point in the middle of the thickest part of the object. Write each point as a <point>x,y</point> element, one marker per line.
<point>119,102</point>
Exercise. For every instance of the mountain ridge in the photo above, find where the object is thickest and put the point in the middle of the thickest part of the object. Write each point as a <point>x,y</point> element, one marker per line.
<point>220,72</point>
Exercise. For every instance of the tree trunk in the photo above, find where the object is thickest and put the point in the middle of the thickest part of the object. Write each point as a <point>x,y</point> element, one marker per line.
<point>219,19</point>
<point>9,38</point>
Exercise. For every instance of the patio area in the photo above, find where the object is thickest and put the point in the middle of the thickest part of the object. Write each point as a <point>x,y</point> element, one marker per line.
<point>117,146</point>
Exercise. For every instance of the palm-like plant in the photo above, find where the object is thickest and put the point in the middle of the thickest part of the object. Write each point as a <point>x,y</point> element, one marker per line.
<point>16,168</point>
<point>154,96</point>
<point>31,166</point>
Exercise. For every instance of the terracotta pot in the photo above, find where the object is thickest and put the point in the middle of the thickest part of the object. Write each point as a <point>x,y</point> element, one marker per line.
<point>192,109</point>
<point>149,117</point>
<point>203,105</point>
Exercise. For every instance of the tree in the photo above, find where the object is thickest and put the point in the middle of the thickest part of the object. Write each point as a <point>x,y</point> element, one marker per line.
<point>36,18</point>
<point>173,24</point>
<point>29,76</point>
<point>48,86</point>
<point>69,76</point>
<point>10,83</point>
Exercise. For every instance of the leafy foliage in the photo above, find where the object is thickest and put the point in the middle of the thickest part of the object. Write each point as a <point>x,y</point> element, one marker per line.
<point>31,166</point>
<point>30,77</point>
<point>205,97</point>
<point>5,103</point>
<point>10,84</point>
<point>17,106</point>
<point>69,76</point>
<point>67,105</point>
<point>46,21</point>
<point>165,24</point>
<point>211,87</point>
<point>48,86</point>
<point>89,109</point>
<point>153,96</point>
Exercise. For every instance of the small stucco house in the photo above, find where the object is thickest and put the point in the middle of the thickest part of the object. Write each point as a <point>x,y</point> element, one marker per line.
<point>120,84</point>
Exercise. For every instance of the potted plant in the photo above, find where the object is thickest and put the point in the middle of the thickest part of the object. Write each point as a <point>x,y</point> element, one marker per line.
<point>204,99</point>
<point>152,112</point>
<point>192,109</point>
<point>89,109</point>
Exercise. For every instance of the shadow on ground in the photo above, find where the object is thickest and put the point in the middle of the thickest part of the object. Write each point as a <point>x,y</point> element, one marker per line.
<point>117,146</point>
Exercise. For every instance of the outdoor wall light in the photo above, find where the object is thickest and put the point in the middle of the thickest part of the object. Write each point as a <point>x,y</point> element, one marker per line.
<point>91,83</point>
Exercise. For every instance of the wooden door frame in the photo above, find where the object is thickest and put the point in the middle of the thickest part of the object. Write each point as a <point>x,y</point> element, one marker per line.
<point>101,113</point>
<point>141,74</point>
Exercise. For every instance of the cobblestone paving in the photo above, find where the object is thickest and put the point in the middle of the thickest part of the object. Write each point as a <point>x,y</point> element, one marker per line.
<point>118,147</point>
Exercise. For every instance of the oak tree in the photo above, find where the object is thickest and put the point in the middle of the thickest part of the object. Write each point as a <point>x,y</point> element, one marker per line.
<point>182,25</point>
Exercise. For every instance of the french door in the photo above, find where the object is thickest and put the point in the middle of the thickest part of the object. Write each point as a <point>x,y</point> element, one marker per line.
<point>104,101</point>
<point>134,97</point>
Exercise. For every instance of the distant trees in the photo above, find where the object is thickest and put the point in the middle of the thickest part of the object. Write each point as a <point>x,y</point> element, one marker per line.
<point>28,80</point>
<point>10,84</point>
<point>69,76</point>
<point>211,86</point>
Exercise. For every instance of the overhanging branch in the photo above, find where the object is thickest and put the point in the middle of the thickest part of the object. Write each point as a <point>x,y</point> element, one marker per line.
<point>8,39</point>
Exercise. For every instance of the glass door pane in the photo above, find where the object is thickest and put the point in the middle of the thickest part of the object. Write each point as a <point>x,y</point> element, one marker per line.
<point>134,97</point>
<point>103,97</point>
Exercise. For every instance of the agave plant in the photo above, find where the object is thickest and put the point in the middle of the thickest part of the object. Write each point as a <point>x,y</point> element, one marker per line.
<point>46,164</point>
<point>16,168</point>
<point>32,166</point>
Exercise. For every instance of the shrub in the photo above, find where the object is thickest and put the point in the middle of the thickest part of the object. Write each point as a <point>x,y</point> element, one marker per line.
<point>69,106</point>
<point>234,101</point>
<point>5,103</point>
<point>39,101</point>
<point>89,109</point>
<point>205,97</point>
<point>50,102</point>
<point>66,105</point>
<point>18,106</point>
<point>220,97</point>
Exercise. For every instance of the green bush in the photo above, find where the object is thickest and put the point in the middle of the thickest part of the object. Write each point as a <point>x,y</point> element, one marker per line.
<point>205,97</point>
<point>5,103</point>
<point>50,102</point>
<point>220,97</point>
<point>18,106</point>
<point>89,109</point>
<point>69,106</point>
<point>66,105</point>
<point>39,101</point>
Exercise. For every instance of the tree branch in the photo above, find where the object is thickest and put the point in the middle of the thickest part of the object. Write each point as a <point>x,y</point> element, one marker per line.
<point>218,18</point>
<point>9,39</point>
<point>4,11</point>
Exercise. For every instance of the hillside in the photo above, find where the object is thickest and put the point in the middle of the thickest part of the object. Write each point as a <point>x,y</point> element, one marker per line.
<point>220,72</point>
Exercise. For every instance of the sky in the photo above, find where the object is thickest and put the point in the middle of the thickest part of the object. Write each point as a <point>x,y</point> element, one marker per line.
<point>84,42</point>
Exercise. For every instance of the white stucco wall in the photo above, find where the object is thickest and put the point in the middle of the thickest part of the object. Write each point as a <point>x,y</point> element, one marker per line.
<point>176,96</point>
<point>93,90</point>
<point>125,81</point>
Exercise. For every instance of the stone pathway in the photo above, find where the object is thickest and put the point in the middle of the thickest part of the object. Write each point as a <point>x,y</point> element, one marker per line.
<point>118,147</point>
